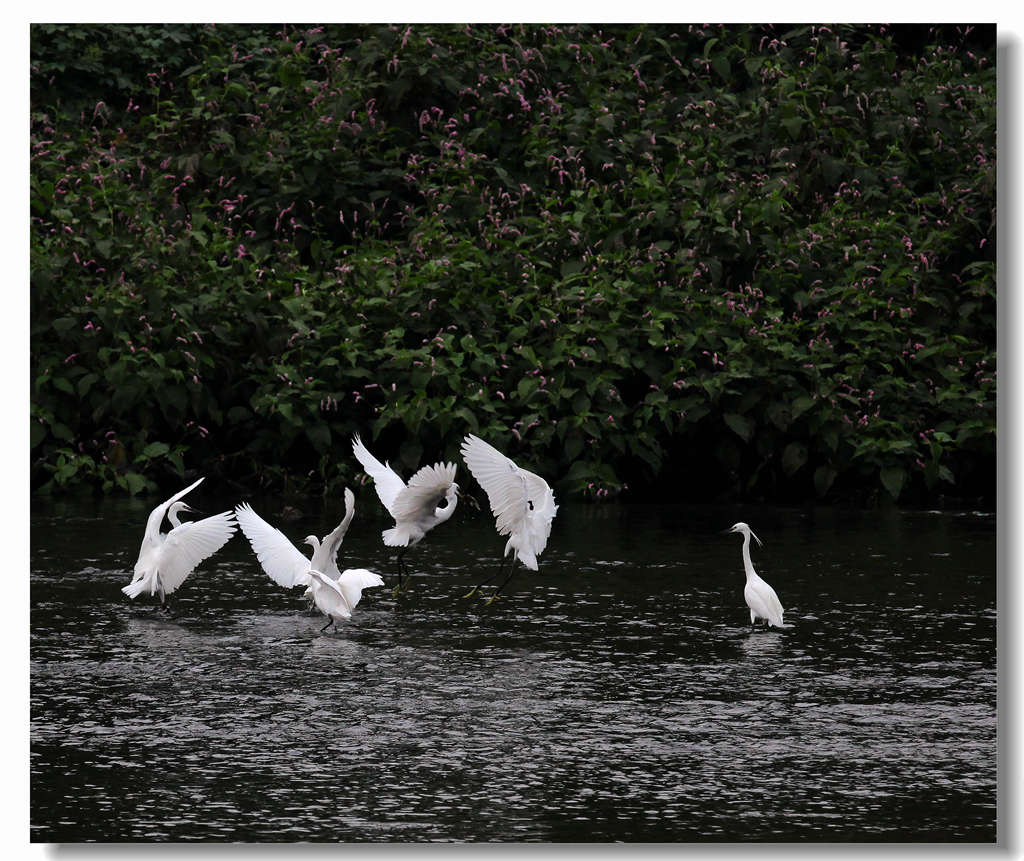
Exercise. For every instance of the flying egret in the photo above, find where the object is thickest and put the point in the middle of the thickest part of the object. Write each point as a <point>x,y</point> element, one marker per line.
<point>522,503</point>
<point>417,506</point>
<point>760,597</point>
<point>167,558</point>
<point>334,592</point>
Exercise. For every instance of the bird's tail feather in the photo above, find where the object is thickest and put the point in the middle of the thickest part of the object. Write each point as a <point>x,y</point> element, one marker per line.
<point>395,537</point>
<point>133,590</point>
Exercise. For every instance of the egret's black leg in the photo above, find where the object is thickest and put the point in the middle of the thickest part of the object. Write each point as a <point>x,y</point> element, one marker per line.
<point>511,571</point>
<point>475,589</point>
<point>402,572</point>
<point>330,621</point>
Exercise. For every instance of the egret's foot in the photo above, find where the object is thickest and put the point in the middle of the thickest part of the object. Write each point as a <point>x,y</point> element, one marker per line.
<point>491,600</point>
<point>471,592</point>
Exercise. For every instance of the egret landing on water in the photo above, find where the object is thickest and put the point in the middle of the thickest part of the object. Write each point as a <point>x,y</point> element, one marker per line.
<point>428,500</point>
<point>522,503</point>
<point>335,593</point>
<point>760,597</point>
<point>167,558</point>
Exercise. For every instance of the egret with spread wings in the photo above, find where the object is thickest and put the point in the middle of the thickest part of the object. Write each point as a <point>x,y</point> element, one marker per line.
<point>335,593</point>
<point>167,558</point>
<point>428,500</point>
<point>522,503</point>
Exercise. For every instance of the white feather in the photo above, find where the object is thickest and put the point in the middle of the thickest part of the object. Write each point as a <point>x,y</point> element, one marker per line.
<point>522,502</point>
<point>166,559</point>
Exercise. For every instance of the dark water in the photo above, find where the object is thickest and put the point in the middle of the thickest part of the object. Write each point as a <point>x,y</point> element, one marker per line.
<point>618,695</point>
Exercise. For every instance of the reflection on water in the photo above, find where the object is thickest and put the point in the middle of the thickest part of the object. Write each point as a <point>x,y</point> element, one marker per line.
<point>618,694</point>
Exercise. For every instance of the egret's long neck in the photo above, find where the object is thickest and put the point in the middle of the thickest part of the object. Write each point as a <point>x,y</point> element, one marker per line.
<point>174,515</point>
<point>442,514</point>
<point>748,566</point>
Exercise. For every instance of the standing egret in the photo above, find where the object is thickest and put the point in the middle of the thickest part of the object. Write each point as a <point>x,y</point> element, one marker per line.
<point>522,503</point>
<point>760,597</point>
<point>334,592</point>
<point>167,558</point>
<point>416,506</point>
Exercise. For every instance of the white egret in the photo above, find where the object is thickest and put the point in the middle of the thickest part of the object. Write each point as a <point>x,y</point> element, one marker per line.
<point>417,506</point>
<point>760,597</point>
<point>522,503</point>
<point>167,558</point>
<point>335,593</point>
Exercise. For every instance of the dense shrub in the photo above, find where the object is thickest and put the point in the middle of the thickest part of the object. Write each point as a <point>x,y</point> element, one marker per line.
<point>726,262</point>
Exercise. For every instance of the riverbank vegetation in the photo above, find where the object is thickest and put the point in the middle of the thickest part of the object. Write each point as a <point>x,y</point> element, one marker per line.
<point>666,262</point>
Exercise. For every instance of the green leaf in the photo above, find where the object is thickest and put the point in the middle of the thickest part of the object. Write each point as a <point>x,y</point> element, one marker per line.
<point>136,482</point>
<point>571,267</point>
<point>742,426</point>
<point>892,477</point>
<point>155,449</point>
<point>319,435</point>
<point>63,385</point>
<point>573,446</point>
<point>793,126</point>
<point>62,324</point>
<point>527,386</point>
<point>85,383</point>
<point>801,404</point>
<point>794,456</point>
<point>823,478</point>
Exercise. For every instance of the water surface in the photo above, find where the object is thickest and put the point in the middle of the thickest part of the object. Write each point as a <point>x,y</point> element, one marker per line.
<point>617,695</point>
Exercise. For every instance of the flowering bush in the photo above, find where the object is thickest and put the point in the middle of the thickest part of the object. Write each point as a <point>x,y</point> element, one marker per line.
<point>746,262</point>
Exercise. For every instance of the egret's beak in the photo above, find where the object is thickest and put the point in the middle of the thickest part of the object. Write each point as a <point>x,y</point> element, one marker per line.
<point>470,500</point>
<point>728,531</point>
<point>192,510</point>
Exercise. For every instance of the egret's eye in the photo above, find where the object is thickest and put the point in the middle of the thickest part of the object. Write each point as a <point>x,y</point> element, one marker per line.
<point>529,502</point>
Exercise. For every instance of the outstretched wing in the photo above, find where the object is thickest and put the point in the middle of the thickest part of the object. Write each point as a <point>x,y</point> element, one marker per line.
<point>425,490</point>
<point>521,501</point>
<point>151,541</point>
<point>189,544</point>
<point>325,556</point>
<point>352,582</point>
<point>387,482</point>
<point>503,481</point>
<point>281,559</point>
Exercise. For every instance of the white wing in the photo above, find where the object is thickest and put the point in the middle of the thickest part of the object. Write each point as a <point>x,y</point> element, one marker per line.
<point>765,603</point>
<point>189,544</point>
<point>325,556</point>
<point>522,503</point>
<point>424,491</point>
<point>503,481</point>
<point>500,478</point>
<point>354,580</point>
<point>387,482</point>
<point>152,539</point>
<point>281,559</point>
<point>328,596</point>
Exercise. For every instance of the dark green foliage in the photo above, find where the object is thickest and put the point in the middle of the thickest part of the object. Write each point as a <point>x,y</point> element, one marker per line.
<point>748,262</point>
